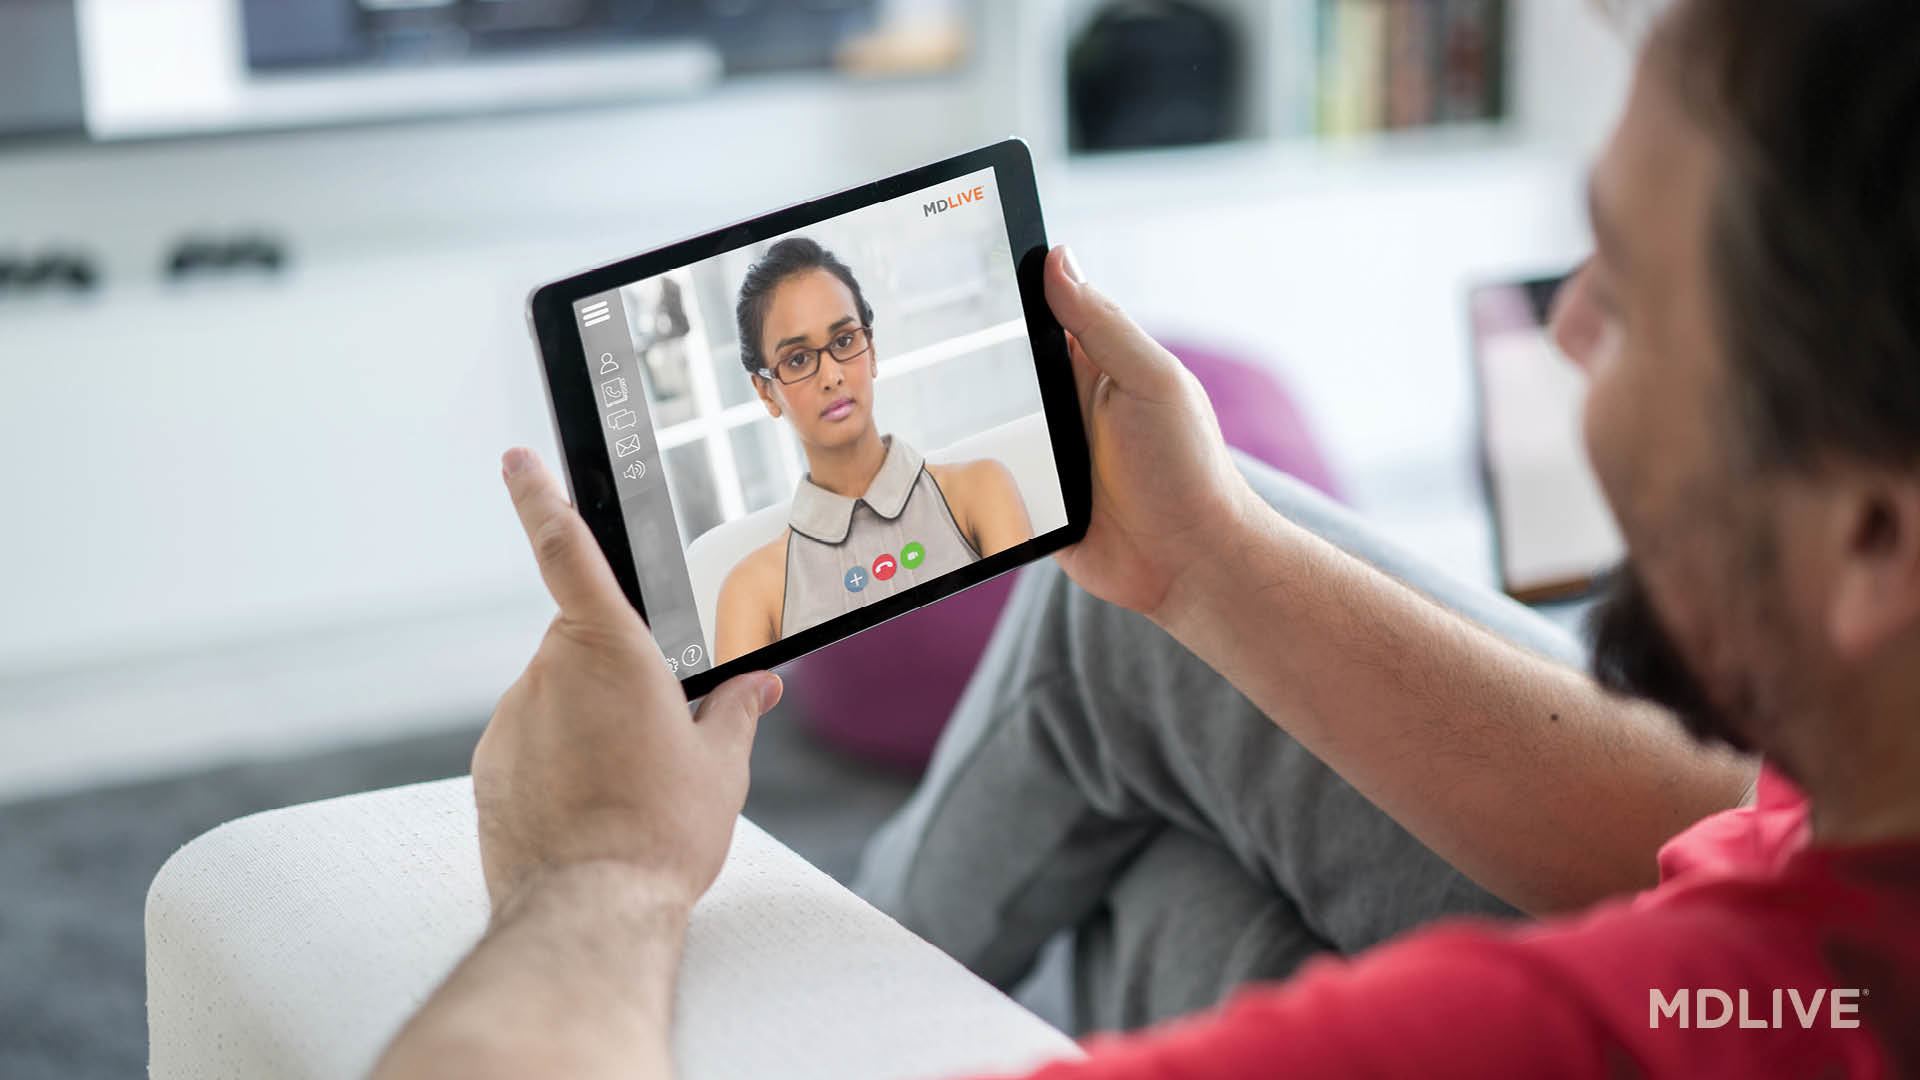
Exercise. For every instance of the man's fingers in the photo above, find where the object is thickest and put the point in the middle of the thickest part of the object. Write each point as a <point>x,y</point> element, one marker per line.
<point>734,708</point>
<point>1111,340</point>
<point>570,561</point>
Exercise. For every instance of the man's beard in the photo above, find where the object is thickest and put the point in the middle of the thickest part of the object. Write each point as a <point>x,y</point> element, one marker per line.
<point>1634,655</point>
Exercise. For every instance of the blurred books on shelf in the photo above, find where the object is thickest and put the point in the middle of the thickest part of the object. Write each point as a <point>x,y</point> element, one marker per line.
<point>1141,74</point>
<point>1390,65</point>
<point>1353,66</point>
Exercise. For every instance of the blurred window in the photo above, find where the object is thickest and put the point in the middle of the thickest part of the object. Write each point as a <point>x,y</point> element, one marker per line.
<point>696,503</point>
<point>763,475</point>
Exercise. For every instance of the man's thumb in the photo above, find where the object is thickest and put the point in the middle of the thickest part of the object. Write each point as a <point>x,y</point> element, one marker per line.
<point>1109,338</point>
<point>738,704</point>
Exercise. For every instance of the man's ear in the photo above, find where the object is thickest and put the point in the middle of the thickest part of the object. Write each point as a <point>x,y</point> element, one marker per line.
<point>764,387</point>
<point>1876,594</point>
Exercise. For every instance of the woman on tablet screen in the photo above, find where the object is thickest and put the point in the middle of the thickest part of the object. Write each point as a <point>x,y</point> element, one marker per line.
<point>870,517</point>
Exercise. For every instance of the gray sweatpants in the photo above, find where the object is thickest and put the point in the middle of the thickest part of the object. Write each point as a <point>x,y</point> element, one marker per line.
<point>1097,777</point>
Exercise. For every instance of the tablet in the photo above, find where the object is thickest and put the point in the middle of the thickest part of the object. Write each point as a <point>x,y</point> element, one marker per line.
<point>788,430</point>
<point>1554,537</point>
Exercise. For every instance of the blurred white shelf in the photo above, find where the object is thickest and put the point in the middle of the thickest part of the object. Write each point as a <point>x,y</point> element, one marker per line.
<point>1265,169</point>
<point>1262,171</point>
<point>270,695</point>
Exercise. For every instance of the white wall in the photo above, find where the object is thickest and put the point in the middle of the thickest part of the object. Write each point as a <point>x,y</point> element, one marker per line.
<point>1570,74</point>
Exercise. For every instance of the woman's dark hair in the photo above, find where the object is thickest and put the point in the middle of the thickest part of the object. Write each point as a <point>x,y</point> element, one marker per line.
<point>794,255</point>
<point>1814,239</point>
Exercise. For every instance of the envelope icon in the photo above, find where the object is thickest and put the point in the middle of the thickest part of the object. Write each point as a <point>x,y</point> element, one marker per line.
<point>628,446</point>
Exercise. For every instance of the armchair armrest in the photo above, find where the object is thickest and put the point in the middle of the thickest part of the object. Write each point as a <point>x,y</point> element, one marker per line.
<point>295,943</point>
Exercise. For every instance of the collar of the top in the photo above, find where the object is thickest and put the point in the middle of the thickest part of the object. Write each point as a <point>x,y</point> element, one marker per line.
<point>819,514</point>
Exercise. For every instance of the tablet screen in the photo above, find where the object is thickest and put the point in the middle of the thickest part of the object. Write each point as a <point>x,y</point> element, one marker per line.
<point>808,424</point>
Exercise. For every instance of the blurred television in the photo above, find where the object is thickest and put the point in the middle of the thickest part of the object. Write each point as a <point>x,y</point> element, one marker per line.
<point>114,69</point>
<point>745,35</point>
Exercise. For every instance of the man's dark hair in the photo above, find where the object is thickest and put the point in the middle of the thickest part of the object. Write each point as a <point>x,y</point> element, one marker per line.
<point>1815,229</point>
<point>794,255</point>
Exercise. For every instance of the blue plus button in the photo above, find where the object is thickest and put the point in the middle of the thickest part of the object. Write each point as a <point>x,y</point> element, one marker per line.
<point>856,579</point>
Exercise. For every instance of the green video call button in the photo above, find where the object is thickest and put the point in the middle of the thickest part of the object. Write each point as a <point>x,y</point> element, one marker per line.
<point>912,556</point>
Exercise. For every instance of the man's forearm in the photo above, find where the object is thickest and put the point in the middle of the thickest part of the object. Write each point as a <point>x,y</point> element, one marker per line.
<point>1520,771</point>
<point>575,979</point>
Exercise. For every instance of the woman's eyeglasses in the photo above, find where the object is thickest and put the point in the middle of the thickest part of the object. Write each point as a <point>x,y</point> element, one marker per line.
<point>799,365</point>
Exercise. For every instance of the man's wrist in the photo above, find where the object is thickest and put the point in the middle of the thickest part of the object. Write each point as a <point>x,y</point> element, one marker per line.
<point>641,892</point>
<point>1246,536</point>
<point>574,977</point>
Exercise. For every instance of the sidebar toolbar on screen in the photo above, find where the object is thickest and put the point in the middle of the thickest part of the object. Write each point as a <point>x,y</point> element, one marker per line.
<point>645,505</point>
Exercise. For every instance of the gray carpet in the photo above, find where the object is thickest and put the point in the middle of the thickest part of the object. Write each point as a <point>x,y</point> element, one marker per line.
<point>74,872</point>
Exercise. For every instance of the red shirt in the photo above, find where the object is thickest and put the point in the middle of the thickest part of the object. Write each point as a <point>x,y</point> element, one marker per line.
<point>1745,905</point>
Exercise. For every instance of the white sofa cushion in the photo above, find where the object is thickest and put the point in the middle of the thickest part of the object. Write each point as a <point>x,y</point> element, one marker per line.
<point>295,942</point>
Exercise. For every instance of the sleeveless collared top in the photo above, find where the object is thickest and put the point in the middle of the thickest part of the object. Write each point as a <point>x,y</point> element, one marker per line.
<point>844,553</point>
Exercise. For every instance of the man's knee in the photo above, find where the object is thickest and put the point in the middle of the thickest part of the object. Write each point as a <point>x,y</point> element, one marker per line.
<point>1179,931</point>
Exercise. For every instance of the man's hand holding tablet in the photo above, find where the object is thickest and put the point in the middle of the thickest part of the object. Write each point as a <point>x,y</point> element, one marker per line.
<point>1164,487</point>
<point>603,815</point>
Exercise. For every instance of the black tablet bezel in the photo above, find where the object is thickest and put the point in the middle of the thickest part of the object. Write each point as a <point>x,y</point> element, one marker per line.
<point>589,470</point>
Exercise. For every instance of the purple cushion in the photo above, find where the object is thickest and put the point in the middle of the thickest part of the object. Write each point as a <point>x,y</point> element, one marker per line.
<point>885,696</point>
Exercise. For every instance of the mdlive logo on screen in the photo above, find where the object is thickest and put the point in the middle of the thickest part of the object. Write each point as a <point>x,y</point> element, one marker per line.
<point>957,200</point>
<point>1709,1008</point>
